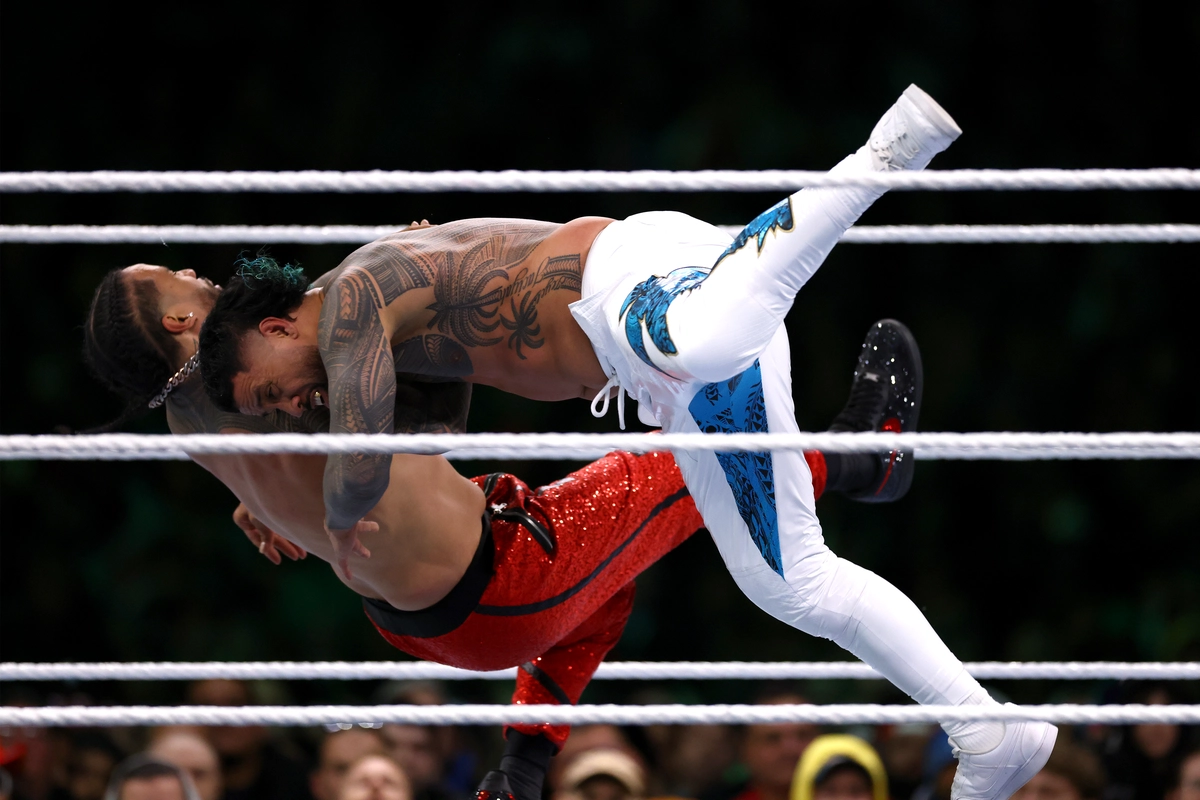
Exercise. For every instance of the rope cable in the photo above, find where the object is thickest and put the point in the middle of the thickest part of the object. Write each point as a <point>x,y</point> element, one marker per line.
<point>107,716</point>
<point>360,234</point>
<point>1004,446</point>
<point>594,180</point>
<point>617,670</point>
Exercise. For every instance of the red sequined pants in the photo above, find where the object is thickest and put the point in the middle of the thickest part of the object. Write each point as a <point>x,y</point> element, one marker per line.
<point>556,617</point>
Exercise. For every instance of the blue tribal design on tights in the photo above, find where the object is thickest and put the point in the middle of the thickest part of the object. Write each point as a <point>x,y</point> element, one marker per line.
<point>734,406</point>
<point>649,301</point>
<point>777,216</point>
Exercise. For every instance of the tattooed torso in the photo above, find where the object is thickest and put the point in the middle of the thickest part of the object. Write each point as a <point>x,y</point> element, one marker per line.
<point>483,301</point>
<point>475,301</point>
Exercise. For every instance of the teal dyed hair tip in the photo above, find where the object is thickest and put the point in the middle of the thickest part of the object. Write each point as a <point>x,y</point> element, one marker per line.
<point>265,269</point>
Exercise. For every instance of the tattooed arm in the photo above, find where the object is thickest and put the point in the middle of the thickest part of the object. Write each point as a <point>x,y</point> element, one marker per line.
<point>362,391</point>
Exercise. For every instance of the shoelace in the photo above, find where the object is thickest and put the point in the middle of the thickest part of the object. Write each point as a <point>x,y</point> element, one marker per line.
<point>600,401</point>
<point>894,139</point>
<point>867,399</point>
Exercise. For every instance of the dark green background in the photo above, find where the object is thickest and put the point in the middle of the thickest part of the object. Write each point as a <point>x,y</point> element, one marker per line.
<point>1009,560</point>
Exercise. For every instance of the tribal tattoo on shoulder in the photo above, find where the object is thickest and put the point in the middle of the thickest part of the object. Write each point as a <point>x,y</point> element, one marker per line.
<point>461,261</point>
<point>362,389</point>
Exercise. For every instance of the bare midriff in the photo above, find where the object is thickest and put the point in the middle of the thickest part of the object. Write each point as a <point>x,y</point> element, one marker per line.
<point>430,520</point>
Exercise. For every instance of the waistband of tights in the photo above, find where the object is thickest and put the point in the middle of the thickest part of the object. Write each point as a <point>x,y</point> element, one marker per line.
<point>452,610</point>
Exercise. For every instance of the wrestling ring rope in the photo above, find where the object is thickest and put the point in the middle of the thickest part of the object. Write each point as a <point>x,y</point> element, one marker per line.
<point>784,181</point>
<point>932,446</point>
<point>849,714</point>
<point>612,671</point>
<point>583,446</point>
<point>361,234</point>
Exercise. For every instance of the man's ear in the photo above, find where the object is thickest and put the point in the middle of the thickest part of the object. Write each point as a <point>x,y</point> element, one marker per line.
<point>277,327</point>
<point>177,322</point>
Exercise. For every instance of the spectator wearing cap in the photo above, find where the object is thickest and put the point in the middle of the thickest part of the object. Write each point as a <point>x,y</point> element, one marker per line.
<point>585,738</point>
<point>375,777</point>
<point>603,774</point>
<point>1071,773</point>
<point>188,749</point>
<point>144,777</point>
<point>1189,778</point>
<point>837,766</point>
<point>338,751</point>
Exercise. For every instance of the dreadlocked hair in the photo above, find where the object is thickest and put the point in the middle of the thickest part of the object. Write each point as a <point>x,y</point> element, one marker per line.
<point>124,345</point>
<point>260,289</point>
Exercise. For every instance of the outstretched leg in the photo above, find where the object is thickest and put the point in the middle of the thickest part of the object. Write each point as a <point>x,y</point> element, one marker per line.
<point>760,510</point>
<point>710,324</point>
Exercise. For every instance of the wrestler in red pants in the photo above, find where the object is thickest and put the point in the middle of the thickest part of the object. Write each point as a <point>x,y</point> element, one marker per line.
<point>551,586</point>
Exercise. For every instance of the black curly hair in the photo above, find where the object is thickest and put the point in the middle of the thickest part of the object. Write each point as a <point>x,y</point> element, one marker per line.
<point>260,289</point>
<point>124,345</point>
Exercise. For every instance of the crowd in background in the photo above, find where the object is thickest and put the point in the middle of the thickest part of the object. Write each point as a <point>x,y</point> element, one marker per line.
<point>791,761</point>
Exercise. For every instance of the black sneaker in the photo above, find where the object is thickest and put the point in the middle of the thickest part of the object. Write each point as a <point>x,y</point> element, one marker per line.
<point>495,786</point>
<point>885,396</point>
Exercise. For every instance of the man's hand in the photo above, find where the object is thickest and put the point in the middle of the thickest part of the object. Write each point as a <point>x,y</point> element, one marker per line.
<point>345,542</point>
<point>268,542</point>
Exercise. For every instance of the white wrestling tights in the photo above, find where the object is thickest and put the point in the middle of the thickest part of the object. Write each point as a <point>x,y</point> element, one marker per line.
<point>759,285</point>
<point>719,337</point>
<point>807,586</point>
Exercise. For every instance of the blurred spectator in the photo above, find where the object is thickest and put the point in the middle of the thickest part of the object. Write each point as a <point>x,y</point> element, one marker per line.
<point>189,750</point>
<point>459,759</point>
<point>6,785</point>
<point>839,767</point>
<point>375,777</point>
<point>144,777</point>
<point>771,752</point>
<point>1072,773</point>
<point>39,759</point>
<point>939,768</point>
<point>903,748</point>
<point>693,759</point>
<point>338,751</point>
<point>415,748</point>
<point>603,774</point>
<point>1189,778</point>
<point>584,739</point>
<point>252,767</point>
<point>90,763</point>
<point>1142,761</point>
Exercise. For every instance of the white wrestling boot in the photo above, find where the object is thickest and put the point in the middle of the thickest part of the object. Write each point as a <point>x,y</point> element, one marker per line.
<point>998,773</point>
<point>911,133</point>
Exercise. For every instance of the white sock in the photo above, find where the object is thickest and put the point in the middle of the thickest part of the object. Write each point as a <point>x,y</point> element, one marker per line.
<point>976,737</point>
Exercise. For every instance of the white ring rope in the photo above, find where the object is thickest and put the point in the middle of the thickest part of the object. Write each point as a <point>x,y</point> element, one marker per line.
<point>594,180</point>
<point>360,234</point>
<point>587,446</point>
<point>106,716</point>
<point>613,671</point>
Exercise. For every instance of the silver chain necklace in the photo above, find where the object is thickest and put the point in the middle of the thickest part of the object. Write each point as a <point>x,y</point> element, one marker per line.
<point>179,377</point>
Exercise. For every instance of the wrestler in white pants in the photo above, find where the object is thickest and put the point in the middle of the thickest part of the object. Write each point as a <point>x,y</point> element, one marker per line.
<point>703,348</point>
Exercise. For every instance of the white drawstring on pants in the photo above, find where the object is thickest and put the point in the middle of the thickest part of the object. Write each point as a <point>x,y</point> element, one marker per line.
<point>600,401</point>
